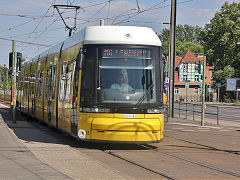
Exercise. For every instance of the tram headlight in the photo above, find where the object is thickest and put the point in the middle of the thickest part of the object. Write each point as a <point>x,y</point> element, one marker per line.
<point>154,111</point>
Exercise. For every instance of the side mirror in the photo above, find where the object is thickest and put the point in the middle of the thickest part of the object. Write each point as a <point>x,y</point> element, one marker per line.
<point>80,58</point>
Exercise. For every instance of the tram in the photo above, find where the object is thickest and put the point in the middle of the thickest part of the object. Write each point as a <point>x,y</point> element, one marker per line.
<point>103,84</point>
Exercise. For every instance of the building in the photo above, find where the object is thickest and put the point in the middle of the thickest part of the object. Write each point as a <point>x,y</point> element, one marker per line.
<point>188,77</point>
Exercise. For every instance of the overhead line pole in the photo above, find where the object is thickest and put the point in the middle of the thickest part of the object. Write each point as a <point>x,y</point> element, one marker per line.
<point>172,56</point>
<point>203,92</point>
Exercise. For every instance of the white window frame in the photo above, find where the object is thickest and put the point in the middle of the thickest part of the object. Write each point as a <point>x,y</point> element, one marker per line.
<point>176,90</point>
<point>196,90</point>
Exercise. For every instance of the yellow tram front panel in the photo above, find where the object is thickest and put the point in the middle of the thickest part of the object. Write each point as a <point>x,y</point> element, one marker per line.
<point>114,127</point>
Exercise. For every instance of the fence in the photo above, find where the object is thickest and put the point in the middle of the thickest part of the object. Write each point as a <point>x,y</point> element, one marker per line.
<point>213,113</point>
<point>195,110</point>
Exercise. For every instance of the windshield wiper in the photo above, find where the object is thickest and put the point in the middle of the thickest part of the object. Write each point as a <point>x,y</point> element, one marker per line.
<point>144,95</point>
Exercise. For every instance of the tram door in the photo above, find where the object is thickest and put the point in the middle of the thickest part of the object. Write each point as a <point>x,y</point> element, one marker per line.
<point>50,93</point>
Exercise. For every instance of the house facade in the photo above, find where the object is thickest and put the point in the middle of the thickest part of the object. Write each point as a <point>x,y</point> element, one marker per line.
<point>189,77</point>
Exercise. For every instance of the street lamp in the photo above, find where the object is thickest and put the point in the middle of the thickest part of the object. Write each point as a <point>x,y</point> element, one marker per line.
<point>113,23</point>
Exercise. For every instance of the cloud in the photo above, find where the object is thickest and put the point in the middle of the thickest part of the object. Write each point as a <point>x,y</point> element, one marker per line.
<point>195,15</point>
<point>26,5</point>
<point>221,2</point>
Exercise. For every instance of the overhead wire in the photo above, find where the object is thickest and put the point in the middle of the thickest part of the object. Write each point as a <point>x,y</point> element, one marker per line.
<point>41,19</point>
<point>39,22</point>
<point>130,15</point>
<point>19,35</point>
<point>25,15</point>
<point>98,11</point>
<point>96,4</point>
<point>25,42</point>
<point>151,9</point>
<point>19,25</point>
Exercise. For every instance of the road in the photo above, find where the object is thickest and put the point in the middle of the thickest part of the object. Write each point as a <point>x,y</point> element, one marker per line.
<point>188,151</point>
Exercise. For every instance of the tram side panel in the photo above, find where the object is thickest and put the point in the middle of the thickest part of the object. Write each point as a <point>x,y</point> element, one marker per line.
<point>49,97</point>
<point>32,82</point>
<point>25,91</point>
<point>19,91</point>
<point>66,107</point>
<point>39,91</point>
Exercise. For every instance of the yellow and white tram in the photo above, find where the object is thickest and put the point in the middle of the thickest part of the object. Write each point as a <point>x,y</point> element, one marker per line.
<point>105,83</point>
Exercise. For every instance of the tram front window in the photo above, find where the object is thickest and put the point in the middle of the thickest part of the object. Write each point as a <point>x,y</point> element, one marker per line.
<point>126,75</point>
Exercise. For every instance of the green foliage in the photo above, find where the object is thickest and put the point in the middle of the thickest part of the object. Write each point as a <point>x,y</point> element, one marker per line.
<point>220,38</point>
<point>187,38</point>
<point>188,33</point>
<point>237,103</point>
<point>182,46</point>
<point>184,33</point>
<point>3,77</point>
<point>220,76</point>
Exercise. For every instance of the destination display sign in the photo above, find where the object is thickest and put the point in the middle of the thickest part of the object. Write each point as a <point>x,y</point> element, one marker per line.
<point>126,52</point>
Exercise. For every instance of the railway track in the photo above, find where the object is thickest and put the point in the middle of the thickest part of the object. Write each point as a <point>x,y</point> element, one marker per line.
<point>164,175</point>
<point>139,165</point>
<point>113,153</point>
<point>206,146</point>
<point>193,162</point>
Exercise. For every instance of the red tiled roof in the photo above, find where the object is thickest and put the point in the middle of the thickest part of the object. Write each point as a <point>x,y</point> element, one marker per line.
<point>188,56</point>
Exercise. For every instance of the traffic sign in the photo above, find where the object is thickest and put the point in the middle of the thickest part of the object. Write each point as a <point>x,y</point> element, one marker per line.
<point>166,82</point>
<point>218,84</point>
<point>209,89</point>
<point>186,85</point>
<point>201,85</point>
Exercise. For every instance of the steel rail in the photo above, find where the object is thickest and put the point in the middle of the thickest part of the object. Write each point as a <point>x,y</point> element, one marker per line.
<point>206,146</point>
<point>138,165</point>
<point>193,162</point>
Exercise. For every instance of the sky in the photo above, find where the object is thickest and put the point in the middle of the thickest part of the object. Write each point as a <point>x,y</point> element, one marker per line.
<point>38,22</point>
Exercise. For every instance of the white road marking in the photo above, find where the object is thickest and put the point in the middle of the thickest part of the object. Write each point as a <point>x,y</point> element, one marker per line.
<point>4,105</point>
<point>194,125</point>
<point>177,128</point>
<point>187,130</point>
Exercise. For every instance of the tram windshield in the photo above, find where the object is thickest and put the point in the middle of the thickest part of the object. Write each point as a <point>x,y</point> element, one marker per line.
<point>126,75</point>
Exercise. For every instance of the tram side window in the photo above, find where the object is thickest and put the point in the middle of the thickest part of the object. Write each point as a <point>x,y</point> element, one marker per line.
<point>62,82</point>
<point>21,87</point>
<point>39,84</point>
<point>32,80</point>
<point>66,82</point>
<point>69,80</point>
<point>48,83</point>
<point>54,74</point>
<point>25,86</point>
<point>75,88</point>
<point>87,81</point>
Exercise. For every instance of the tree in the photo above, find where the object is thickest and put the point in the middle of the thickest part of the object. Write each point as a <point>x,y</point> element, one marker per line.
<point>188,33</point>
<point>182,46</point>
<point>184,33</point>
<point>220,38</point>
<point>187,37</point>
<point>220,76</point>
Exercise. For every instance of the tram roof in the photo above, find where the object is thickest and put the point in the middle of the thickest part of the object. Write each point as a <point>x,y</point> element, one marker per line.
<point>119,35</point>
<point>132,35</point>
